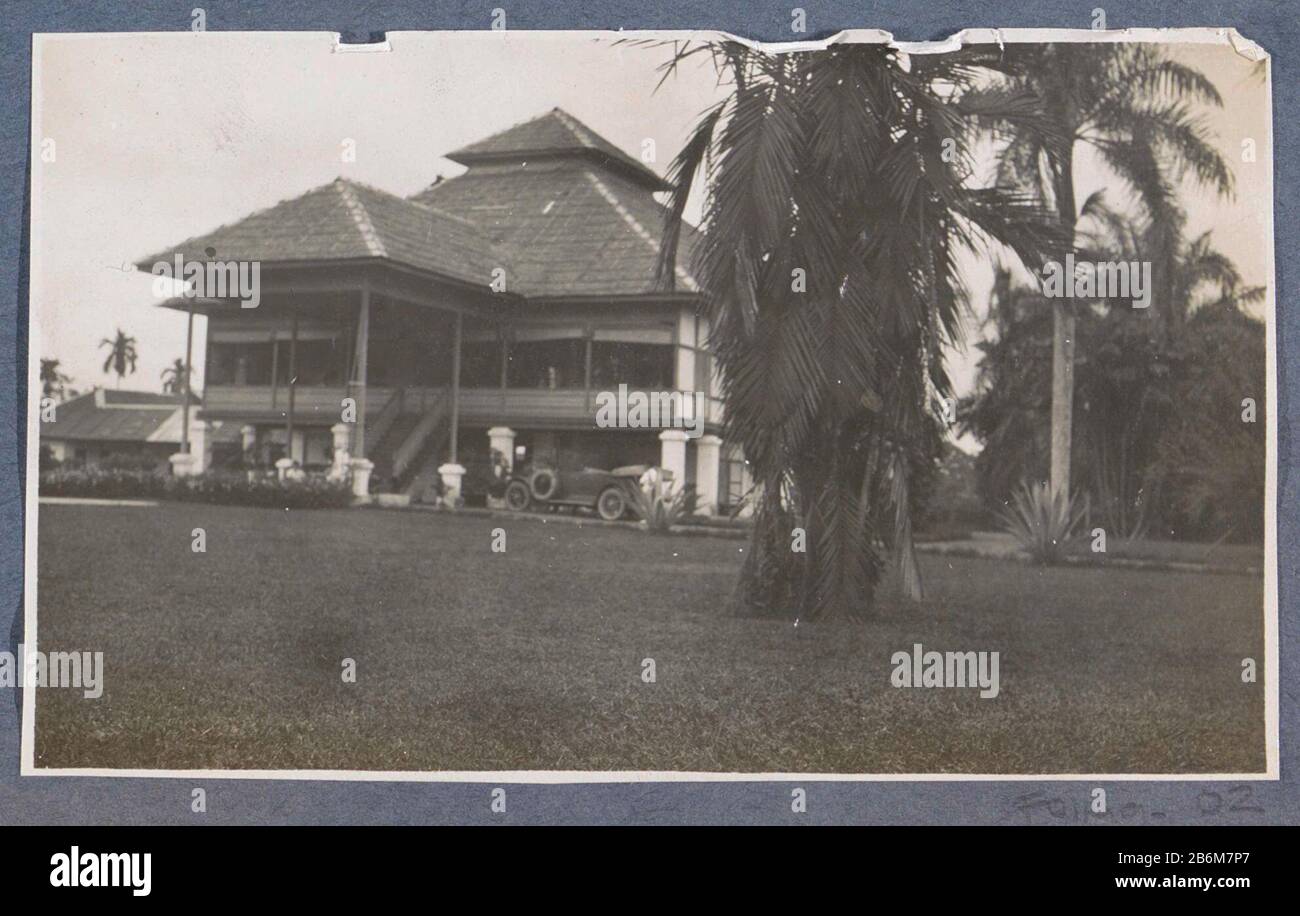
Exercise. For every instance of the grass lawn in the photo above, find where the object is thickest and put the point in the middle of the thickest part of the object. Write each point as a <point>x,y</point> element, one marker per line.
<point>531,659</point>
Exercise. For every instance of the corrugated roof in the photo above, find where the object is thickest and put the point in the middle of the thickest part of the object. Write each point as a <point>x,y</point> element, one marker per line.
<point>346,220</point>
<point>118,416</point>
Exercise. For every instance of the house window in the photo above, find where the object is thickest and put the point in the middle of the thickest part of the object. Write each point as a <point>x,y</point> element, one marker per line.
<point>547,359</point>
<point>316,362</point>
<point>646,367</point>
<point>239,364</point>
<point>639,357</point>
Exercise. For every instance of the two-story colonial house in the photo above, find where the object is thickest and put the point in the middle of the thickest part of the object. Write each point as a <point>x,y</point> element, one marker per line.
<point>487,311</point>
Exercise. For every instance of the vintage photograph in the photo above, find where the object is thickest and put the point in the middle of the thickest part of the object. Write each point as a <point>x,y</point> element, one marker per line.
<point>586,406</point>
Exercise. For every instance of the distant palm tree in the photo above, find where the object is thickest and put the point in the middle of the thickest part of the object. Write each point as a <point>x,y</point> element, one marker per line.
<point>54,384</point>
<point>837,200</point>
<point>1130,105</point>
<point>121,355</point>
<point>174,377</point>
<point>1127,387</point>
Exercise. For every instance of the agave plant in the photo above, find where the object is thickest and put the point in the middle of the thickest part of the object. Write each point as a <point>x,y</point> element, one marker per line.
<point>1041,521</point>
<point>660,506</point>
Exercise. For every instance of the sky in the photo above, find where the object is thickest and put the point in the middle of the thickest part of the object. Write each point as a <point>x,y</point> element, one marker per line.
<point>161,137</point>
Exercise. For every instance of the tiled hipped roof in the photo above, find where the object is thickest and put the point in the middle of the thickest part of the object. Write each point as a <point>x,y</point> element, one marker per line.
<point>561,209</point>
<point>346,220</point>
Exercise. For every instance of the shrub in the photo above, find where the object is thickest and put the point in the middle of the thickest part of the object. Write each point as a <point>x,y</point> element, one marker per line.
<point>1039,521</point>
<point>223,487</point>
<point>235,489</point>
<point>105,483</point>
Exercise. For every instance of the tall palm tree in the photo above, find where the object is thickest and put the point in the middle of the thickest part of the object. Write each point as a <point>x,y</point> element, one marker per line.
<point>1127,388</point>
<point>121,355</point>
<point>1132,106</point>
<point>837,197</point>
<point>1011,402</point>
<point>174,377</point>
<point>54,383</point>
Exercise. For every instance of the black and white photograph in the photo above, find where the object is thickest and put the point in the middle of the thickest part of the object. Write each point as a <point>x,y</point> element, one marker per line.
<point>652,406</point>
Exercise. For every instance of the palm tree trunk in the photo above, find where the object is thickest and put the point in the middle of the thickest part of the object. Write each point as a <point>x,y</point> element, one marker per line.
<point>1062,395</point>
<point>1063,345</point>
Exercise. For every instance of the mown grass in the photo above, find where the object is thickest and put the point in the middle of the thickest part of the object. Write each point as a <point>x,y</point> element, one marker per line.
<point>531,659</point>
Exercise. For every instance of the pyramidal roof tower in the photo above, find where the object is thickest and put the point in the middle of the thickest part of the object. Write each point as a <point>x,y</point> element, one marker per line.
<point>556,135</point>
<point>573,214</point>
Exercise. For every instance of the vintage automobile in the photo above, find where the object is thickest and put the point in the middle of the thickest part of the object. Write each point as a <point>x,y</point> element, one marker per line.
<point>608,492</point>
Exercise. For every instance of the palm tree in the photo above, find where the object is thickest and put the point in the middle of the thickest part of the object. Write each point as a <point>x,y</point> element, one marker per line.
<point>121,355</point>
<point>1128,387</point>
<point>54,383</point>
<point>834,210</point>
<point>1129,104</point>
<point>174,377</point>
<point>1009,408</point>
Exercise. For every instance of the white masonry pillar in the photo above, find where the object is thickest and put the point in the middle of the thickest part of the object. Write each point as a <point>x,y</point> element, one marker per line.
<point>342,433</point>
<point>198,458</point>
<point>708,452</point>
<point>673,456</point>
<point>502,438</point>
<point>452,474</point>
<point>361,468</point>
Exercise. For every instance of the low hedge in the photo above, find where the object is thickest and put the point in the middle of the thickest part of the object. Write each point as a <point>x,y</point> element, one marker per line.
<point>221,487</point>
<point>106,483</point>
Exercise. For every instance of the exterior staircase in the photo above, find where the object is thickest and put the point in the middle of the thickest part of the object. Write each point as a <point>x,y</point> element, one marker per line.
<point>410,446</point>
<point>421,485</point>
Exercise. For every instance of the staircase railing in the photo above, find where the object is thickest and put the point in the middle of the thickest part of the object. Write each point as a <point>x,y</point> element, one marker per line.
<point>384,419</point>
<point>434,416</point>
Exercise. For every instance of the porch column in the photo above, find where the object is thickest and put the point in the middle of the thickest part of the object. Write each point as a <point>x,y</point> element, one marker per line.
<point>189,369</point>
<point>708,451</point>
<point>455,387</point>
<point>673,456</point>
<point>363,350</point>
<point>359,464</point>
<point>453,472</point>
<point>293,378</point>
<point>275,371</point>
<point>505,364</point>
<point>183,462</point>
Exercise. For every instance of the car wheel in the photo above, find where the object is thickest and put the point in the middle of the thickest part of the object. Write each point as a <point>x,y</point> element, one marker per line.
<point>611,504</point>
<point>545,484</point>
<point>517,496</point>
